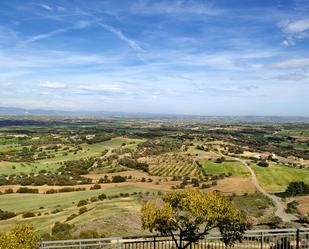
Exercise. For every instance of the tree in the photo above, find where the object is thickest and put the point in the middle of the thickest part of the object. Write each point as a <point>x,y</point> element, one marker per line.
<point>20,237</point>
<point>187,216</point>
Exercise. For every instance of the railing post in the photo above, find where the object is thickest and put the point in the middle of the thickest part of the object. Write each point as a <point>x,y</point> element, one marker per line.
<point>262,240</point>
<point>297,238</point>
<point>118,243</point>
<point>154,242</point>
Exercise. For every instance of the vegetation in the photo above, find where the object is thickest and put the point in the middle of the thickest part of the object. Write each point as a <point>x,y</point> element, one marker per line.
<point>20,237</point>
<point>297,188</point>
<point>50,166</point>
<point>192,214</point>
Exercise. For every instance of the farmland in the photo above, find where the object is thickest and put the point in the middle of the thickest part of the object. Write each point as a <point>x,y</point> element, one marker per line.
<point>55,169</point>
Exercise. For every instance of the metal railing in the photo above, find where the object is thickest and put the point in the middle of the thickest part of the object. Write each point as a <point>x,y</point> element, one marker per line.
<point>253,239</point>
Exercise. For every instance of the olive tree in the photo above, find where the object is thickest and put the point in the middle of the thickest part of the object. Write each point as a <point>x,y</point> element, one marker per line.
<point>20,237</point>
<point>187,216</point>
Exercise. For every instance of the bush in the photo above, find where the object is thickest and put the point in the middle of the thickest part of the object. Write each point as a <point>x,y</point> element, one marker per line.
<point>71,217</point>
<point>263,164</point>
<point>5,215</point>
<point>102,197</point>
<point>51,191</point>
<point>9,191</point>
<point>28,215</point>
<point>82,203</point>
<point>220,159</point>
<point>89,234</point>
<point>82,210</point>
<point>62,230</point>
<point>95,186</point>
<point>23,190</point>
<point>104,180</point>
<point>118,178</point>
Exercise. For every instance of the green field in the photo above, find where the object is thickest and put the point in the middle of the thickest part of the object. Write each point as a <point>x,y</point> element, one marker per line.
<point>296,132</point>
<point>50,164</point>
<point>67,204</point>
<point>253,204</point>
<point>236,168</point>
<point>276,178</point>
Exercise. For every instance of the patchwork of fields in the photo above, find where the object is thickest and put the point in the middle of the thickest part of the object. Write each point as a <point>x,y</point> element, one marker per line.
<point>135,160</point>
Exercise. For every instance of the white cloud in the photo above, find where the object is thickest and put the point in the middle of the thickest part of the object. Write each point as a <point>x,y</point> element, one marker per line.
<point>133,44</point>
<point>102,87</point>
<point>292,63</point>
<point>295,30</point>
<point>78,25</point>
<point>46,7</point>
<point>46,35</point>
<point>53,85</point>
<point>298,26</point>
<point>176,7</point>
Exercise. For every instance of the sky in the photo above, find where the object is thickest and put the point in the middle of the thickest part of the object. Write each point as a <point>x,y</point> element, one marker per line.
<point>200,57</point>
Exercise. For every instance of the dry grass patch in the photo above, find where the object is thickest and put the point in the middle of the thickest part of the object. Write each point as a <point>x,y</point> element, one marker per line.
<point>237,185</point>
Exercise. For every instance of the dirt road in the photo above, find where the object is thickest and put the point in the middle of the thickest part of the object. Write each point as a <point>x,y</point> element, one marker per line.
<point>280,212</point>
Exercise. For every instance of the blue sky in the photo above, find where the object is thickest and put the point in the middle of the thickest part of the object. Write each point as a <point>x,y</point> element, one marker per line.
<point>207,57</point>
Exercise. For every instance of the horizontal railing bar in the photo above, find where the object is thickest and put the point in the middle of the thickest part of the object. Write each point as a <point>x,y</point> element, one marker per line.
<point>253,235</point>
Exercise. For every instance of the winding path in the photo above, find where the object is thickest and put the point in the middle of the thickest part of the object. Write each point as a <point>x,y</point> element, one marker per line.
<point>280,212</point>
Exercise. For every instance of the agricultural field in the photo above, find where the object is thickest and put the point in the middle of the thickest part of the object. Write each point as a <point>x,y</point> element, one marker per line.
<point>226,168</point>
<point>49,165</point>
<point>50,208</point>
<point>276,178</point>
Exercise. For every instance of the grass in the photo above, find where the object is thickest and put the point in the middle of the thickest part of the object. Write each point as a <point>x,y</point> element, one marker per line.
<point>101,210</point>
<point>118,141</point>
<point>253,204</point>
<point>50,164</point>
<point>10,168</point>
<point>296,132</point>
<point>276,178</point>
<point>33,202</point>
<point>66,203</point>
<point>235,168</point>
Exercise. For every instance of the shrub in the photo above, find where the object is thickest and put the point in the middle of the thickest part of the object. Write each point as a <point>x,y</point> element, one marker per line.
<point>56,211</point>
<point>5,215</point>
<point>82,210</point>
<point>71,217</point>
<point>9,191</point>
<point>89,234</point>
<point>220,159</point>
<point>94,199</point>
<point>51,191</point>
<point>28,215</point>
<point>263,164</point>
<point>62,230</point>
<point>82,203</point>
<point>104,180</point>
<point>23,190</point>
<point>118,178</point>
<point>102,197</point>
<point>95,186</point>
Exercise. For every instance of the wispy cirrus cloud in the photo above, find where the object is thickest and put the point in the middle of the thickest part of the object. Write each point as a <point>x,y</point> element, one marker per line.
<point>130,42</point>
<point>81,24</point>
<point>299,63</point>
<point>179,7</point>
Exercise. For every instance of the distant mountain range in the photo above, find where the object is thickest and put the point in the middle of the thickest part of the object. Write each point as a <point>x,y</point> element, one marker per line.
<point>35,112</point>
<point>13,111</point>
